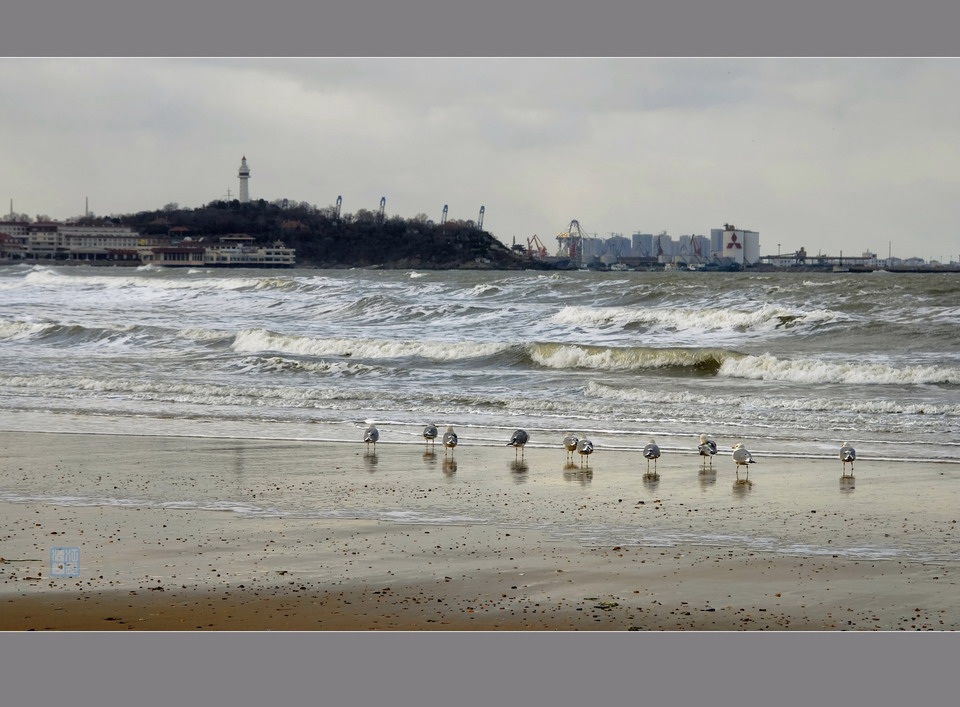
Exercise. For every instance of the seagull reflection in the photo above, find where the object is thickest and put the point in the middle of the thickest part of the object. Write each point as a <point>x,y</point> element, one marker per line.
<point>574,472</point>
<point>651,480</point>
<point>371,460</point>
<point>449,466</point>
<point>847,484</point>
<point>707,477</point>
<point>741,486</point>
<point>519,469</point>
<point>429,456</point>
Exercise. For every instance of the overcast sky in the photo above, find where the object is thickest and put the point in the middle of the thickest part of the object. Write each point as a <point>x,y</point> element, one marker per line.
<point>830,154</point>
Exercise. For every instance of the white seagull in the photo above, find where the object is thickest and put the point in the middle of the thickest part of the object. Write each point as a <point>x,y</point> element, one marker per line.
<point>430,434</point>
<point>742,457</point>
<point>450,439</point>
<point>570,444</point>
<point>584,449</point>
<point>707,449</point>
<point>847,454</point>
<point>371,435</point>
<point>651,453</point>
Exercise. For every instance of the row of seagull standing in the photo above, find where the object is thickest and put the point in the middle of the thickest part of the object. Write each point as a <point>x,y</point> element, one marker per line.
<point>450,439</point>
<point>741,455</point>
<point>707,447</point>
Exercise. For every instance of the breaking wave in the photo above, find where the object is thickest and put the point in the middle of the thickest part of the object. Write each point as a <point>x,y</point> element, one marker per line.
<point>702,319</point>
<point>815,404</point>
<point>161,278</point>
<point>807,370</point>
<point>262,340</point>
<point>571,356</point>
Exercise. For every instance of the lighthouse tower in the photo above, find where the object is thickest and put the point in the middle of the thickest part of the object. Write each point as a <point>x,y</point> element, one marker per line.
<point>244,178</point>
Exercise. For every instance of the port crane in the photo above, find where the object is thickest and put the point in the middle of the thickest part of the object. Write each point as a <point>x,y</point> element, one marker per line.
<point>535,248</point>
<point>570,242</point>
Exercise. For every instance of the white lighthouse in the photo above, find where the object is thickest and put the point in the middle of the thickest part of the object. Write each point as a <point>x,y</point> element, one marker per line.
<point>244,178</point>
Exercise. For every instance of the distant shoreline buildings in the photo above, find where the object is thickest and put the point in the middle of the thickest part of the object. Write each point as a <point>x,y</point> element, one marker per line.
<point>726,248</point>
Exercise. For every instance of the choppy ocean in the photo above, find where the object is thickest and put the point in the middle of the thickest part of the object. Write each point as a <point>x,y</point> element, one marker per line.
<point>791,364</point>
<point>794,363</point>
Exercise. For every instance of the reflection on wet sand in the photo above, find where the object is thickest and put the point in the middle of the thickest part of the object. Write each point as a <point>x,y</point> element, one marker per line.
<point>847,483</point>
<point>449,465</point>
<point>370,459</point>
<point>519,469</point>
<point>741,487</point>
<point>707,477</point>
<point>574,472</point>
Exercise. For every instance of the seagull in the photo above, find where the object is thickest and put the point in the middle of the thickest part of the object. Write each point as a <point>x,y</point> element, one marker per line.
<point>707,449</point>
<point>570,444</point>
<point>742,457</point>
<point>450,438</point>
<point>651,452</point>
<point>518,439</point>
<point>430,434</point>
<point>584,449</point>
<point>847,454</point>
<point>371,435</point>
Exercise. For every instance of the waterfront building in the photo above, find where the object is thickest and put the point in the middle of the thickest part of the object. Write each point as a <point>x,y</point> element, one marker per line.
<point>741,246</point>
<point>234,251</point>
<point>58,243</point>
<point>642,245</point>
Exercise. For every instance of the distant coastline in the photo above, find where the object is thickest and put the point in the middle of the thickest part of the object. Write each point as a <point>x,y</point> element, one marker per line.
<point>413,264</point>
<point>258,234</point>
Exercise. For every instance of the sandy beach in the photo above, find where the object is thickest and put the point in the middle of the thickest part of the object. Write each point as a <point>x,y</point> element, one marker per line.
<point>157,564</point>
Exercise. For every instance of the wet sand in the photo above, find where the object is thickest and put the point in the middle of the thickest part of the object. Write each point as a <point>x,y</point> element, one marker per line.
<point>168,568</point>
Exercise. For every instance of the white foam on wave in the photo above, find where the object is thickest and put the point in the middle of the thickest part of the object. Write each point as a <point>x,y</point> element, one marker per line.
<point>815,404</point>
<point>262,340</point>
<point>571,356</point>
<point>22,330</point>
<point>278,363</point>
<point>174,280</point>
<point>180,392</point>
<point>768,367</point>
<point>702,319</point>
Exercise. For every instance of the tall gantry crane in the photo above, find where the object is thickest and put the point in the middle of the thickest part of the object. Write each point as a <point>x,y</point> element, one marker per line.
<point>570,242</point>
